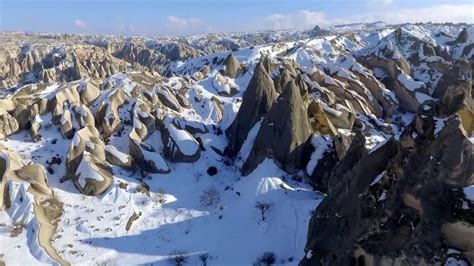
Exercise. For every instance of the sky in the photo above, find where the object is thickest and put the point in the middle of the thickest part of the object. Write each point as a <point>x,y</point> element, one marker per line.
<point>185,17</point>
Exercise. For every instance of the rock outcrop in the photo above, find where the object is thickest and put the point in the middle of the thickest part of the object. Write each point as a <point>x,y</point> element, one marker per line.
<point>231,66</point>
<point>8,124</point>
<point>283,133</point>
<point>463,37</point>
<point>256,102</point>
<point>401,202</point>
<point>87,165</point>
<point>145,156</point>
<point>179,145</point>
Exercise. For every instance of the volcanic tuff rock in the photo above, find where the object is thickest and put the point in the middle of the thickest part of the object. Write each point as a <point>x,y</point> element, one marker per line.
<point>87,165</point>
<point>231,66</point>
<point>380,119</point>
<point>283,133</point>
<point>395,201</point>
<point>256,102</point>
<point>179,145</point>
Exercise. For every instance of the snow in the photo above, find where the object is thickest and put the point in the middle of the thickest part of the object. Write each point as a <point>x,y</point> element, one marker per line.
<point>92,229</point>
<point>23,248</point>
<point>184,140</point>
<point>155,157</point>
<point>383,196</point>
<point>248,143</point>
<point>118,154</point>
<point>421,97</point>
<point>409,83</point>
<point>76,140</point>
<point>439,125</point>
<point>469,192</point>
<point>95,226</point>
<point>378,146</point>
<point>377,178</point>
<point>321,144</point>
<point>85,171</point>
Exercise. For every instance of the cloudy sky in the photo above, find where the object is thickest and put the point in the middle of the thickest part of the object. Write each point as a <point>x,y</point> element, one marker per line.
<point>182,17</point>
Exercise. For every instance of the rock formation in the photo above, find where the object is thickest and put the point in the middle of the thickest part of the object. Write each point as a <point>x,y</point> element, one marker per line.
<point>283,133</point>
<point>87,165</point>
<point>257,101</point>
<point>399,203</point>
<point>231,66</point>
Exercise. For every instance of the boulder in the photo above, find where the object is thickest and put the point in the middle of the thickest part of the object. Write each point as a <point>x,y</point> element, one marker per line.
<point>88,91</point>
<point>35,128</point>
<point>107,115</point>
<point>225,86</point>
<point>341,116</point>
<point>454,88</point>
<point>36,175</point>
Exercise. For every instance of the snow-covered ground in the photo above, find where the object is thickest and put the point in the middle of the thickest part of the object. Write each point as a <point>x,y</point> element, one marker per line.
<point>172,218</point>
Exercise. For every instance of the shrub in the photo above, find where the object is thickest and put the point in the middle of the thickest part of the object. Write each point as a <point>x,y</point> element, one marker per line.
<point>268,258</point>
<point>210,197</point>
<point>204,258</point>
<point>178,258</point>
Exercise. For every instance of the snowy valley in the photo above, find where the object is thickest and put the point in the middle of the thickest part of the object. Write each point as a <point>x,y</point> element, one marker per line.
<point>348,144</point>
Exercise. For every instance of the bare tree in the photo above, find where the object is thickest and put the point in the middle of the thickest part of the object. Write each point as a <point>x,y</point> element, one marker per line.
<point>178,258</point>
<point>210,197</point>
<point>263,207</point>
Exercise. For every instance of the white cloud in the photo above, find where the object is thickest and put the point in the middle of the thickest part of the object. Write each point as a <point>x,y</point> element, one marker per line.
<point>297,20</point>
<point>372,3</point>
<point>187,25</point>
<point>80,24</point>
<point>384,11</point>
<point>437,13</point>
<point>127,29</point>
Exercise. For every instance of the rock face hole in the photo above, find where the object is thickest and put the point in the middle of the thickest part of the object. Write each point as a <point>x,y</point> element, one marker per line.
<point>212,171</point>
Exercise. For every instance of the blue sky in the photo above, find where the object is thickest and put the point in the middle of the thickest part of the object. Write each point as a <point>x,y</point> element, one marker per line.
<point>181,17</point>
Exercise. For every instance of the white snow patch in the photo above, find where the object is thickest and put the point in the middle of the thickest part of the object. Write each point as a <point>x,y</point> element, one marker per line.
<point>321,144</point>
<point>409,83</point>
<point>118,154</point>
<point>377,178</point>
<point>378,146</point>
<point>183,139</point>
<point>84,171</point>
<point>421,97</point>
<point>469,192</point>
